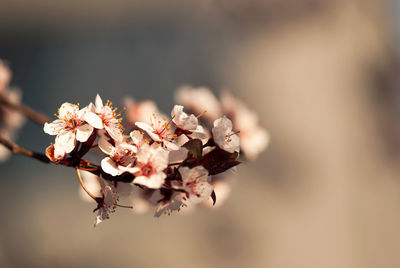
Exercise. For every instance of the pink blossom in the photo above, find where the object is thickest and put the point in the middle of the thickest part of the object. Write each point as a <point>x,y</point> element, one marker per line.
<point>151,162</point>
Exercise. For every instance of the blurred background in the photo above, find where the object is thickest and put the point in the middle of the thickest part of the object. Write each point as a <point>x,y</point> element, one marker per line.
<point>323,76</point>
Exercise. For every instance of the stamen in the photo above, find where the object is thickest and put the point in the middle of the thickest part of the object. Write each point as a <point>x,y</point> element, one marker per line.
<point>233,133</point>
<point>201,114</point>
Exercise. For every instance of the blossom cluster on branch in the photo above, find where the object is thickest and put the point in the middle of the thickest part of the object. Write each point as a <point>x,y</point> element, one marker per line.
<point>171,162</point>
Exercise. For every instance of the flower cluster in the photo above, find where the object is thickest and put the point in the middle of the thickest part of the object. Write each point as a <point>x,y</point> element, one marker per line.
<point>10,120</point>
<point>254,139</point>
<point>171,160</point>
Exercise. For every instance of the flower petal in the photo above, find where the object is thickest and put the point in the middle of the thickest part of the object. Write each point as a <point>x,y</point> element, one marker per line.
<point>105,146</point>
<point>99,103</point>
<point>66,139</point>
<point>223,123</point>
<point>94,120</point>
<point>115,133</point>
<point>170,146</point>
<point>54,127</point>
<point>109,166</point>
<point>149,130</point>
<point>137,137</point>
<point>178,156</point>
<point>83,132</point>
<point>68,109</point>
<point>153,182</point>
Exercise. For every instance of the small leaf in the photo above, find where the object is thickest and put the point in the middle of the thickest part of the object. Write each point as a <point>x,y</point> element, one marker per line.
<point>195,148</point>
<point>218,161</point>
<point>217,169</point>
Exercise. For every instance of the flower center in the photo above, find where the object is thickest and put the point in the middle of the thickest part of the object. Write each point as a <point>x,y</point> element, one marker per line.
<point>72,123</point>
<point>228,136</point>
<point>124,158</point>
<point>147,169</point>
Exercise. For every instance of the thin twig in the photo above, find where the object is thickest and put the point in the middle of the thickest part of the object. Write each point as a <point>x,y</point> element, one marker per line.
<point>83,185</point>
<point>35,116</point>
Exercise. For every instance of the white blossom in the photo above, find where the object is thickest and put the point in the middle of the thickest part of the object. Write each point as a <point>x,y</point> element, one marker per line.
<point>174,203</point>
<point>187,122</point>
<point>195,182</point>
<point>109,202</point>
<point>5,76</point>
<point>137,138</point>
<point>199,100</point>
<point>160,131</point>
<point>69,127</point>
<point>140,111</point>
<point>223,135</point>
<point>103,116</point>
<point>253,138</point>
<point>151,162</point>
<point>121,157</point>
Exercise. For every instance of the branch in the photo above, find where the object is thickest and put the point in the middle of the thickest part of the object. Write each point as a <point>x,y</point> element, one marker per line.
<point>35,116</point>
<point>16,149</point>
<point>75,163</point>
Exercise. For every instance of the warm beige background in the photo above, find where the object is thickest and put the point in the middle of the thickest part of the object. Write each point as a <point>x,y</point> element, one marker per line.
<point>323,76</point>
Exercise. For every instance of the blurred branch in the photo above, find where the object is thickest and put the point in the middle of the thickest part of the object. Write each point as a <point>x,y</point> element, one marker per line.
<point>16,149</point>
<point>35,116</point>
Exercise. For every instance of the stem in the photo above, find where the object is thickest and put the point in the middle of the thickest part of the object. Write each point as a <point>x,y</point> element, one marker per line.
<point>35,116</point>
<point>81,164</point>
<point>83,185</point>
<point>175,164</point>
<point>122,206</point>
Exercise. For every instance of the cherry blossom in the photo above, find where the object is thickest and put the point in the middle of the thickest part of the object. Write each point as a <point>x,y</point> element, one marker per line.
<point>253,138</point>
<point>188,124</point>
<point>198,100</point>
<point>138,138</point>
<point>55,153</point>
<point>171,164</point>
<point>104,116</point>
<point>108,203</point>
<point>223,135</point>
<point>139,111</point>
<point>5,76</point>
<point>121,158</point>
<point>151,162</point>
<point>69,127</point>
<point>174,203</point>
<point>160,131</point>
<point>195,182</point>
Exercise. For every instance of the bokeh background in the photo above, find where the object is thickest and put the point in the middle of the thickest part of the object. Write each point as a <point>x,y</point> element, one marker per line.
<point>323,76</point>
